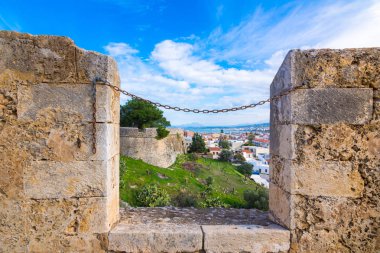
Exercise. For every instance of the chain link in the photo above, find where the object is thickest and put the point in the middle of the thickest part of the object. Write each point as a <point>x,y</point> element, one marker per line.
<point>175,108</point>
<point>94,114</point>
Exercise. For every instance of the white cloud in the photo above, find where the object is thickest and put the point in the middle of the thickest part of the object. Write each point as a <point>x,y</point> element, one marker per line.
<point>120,49</point>
<point>178,60</point>
<point>334,24</point>
<point>189,73</point>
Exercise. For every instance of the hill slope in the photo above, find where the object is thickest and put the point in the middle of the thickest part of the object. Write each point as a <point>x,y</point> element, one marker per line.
<point>189,178</point>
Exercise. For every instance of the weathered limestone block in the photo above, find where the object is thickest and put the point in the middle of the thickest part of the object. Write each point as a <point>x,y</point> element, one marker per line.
<point>39,59</point>
<point>325,106</point>
<point>339,142</point>
<point>50,179</point>
<point>72,99</point>
<point>245,238</point>
<point>99,214</point>
<point>325,150</point>
<point>12,225</point>
<point>11,170</point>
<point>153,238</point>
<point>67,244</point>
<point>346,68</point>
<point>317,178</point>
<point>144,145</point>
<point>55,194</point>
<point>63,142</point>
<point>281,206</point>
<point>334,224</point>
<point>74,216</point>
<point>283,141</point>
<point>95,65</point>
<point>108,141</point>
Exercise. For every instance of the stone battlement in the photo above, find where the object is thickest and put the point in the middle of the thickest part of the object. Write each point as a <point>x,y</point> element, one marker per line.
<point>56,193</point>
<point>59,194</point>
<point>325,150</point>
<point>142,144</point>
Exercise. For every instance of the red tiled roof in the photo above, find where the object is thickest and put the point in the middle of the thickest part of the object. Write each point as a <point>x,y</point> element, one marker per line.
<point>262,140</point>
<point>247,151</point>
<point>214,149</point>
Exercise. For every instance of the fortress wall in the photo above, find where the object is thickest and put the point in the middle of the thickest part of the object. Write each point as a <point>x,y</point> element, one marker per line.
<point>325,150</point>
<point>144,145</point>
<point>56,195</point>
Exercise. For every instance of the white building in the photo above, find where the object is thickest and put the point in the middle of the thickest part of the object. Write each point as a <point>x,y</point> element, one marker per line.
<point>260,150</point>
<point>188,141</point>
<point>236,144</point>
<point>215,151</point>
<point>260,180</point>
<point>248,154</point>
<point>259,166</point>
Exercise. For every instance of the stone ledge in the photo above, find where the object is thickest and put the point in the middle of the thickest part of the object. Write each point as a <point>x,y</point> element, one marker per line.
<point>245,238</point>
<point>170,237</point>
<point>155,238</point>
<point>170,229</point>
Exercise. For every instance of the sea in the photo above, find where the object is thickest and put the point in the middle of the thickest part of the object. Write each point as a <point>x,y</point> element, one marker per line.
<point>264,127</point>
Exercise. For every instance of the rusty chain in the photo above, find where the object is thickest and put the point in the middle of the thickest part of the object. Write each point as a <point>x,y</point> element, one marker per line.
<point>94,115</point>
<point>175,108</point>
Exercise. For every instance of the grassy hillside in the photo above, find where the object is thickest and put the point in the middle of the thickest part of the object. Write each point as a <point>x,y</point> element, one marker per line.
<point>188,177</point>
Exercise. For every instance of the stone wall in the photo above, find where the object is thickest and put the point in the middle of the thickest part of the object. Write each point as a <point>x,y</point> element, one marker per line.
<point>325,149</point>
<point>56,195</point>
<point>144,145</point>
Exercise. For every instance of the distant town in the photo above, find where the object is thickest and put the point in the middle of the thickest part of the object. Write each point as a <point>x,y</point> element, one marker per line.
<point>249,141</point>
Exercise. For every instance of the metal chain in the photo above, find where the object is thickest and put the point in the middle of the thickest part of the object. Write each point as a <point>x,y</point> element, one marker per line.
<point>94,114</point>
<point>175,108</point>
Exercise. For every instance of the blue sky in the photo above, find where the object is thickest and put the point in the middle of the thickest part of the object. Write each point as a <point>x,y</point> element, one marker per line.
<point>198,53</point>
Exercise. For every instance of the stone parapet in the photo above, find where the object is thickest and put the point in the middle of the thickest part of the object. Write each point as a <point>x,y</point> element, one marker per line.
<point>142,144</point>
<point>145,133</point>
<point>325,150</point>
<point>56,195</point>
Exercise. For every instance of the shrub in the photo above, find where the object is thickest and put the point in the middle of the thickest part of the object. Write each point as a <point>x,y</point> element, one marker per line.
<point>162,132</point>
<point>192,157</point>
<point>211,201</point>
<point>184,199</point>
<point>224,144</point>
<point>257,198</point>
<point>245,169</point>
<point>239,158</point>
<point>193,167</point>
<point>209,181</point>
<point>225,155</point>
<point>152,196</point>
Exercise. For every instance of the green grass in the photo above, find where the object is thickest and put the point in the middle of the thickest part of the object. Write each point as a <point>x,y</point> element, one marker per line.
<point>228,184</point>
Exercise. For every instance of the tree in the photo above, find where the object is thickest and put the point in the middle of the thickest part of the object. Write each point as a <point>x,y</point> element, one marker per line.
<point>251,137</point>
<point>224,144</point>
<point>225,155</point>
<point>141,114</point>
<point>239,158</point>
<point>198,145</point>
<point>245,169</point>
